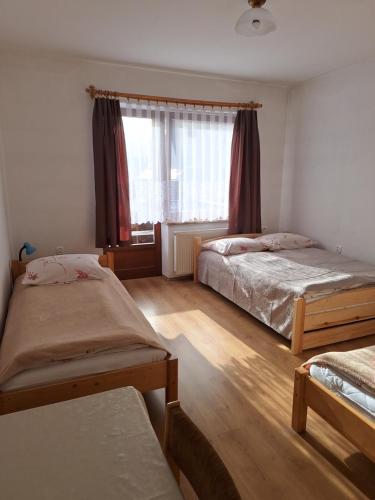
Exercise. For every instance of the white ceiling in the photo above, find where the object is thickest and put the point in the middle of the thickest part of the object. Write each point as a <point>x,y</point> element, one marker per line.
<point>313,36</point>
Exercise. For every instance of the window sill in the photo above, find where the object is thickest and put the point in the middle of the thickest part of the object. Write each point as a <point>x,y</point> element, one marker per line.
<point>171,223</point>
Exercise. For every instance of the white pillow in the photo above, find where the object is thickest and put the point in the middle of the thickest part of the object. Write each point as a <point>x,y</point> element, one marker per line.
<point>233,246</point>
<point>63,269</point>
<point>285,241</point>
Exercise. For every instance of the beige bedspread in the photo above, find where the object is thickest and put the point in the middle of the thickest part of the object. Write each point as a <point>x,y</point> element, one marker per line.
<point>357,366</point>
<point>51,323</point>
<point>266,283</point>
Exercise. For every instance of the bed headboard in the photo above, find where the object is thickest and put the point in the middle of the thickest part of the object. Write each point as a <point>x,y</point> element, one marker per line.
<point>17,268</point>
<point>197,245</point>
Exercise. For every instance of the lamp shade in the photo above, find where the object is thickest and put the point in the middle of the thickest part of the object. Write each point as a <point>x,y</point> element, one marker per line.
<point>29,248</point>
<point>256,21</point>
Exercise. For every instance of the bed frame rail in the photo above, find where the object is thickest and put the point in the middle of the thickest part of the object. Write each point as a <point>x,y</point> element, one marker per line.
<point>343,316</point>
<point>146,377</point>
<point>353,305</point>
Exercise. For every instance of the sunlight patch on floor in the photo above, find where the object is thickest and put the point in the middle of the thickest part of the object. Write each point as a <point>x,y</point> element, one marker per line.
<point>207,336</point>
<point>283,347</point>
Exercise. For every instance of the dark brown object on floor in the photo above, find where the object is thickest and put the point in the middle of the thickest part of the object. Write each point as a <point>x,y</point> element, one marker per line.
<point>188,450</point>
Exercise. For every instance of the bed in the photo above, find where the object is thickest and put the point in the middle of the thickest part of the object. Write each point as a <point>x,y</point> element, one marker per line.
<point>340,387</point>
<point>86,308</point>
<point>310,296</point>
<point>100,447</point>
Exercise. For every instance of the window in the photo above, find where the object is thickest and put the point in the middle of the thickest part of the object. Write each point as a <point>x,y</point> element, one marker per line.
<point>143,234</point>
<point>179,163</point>
<point>143,142</point>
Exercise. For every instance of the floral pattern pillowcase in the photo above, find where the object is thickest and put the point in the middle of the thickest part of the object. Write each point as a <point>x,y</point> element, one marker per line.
<point>285,241</point>
<point>63,269</point>
<point>234,246</point>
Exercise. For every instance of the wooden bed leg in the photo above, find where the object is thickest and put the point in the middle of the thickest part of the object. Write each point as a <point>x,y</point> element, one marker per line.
<point>298,325</point>
<point>174,468</point>
<point>167,429</point>
<point>2,406</point>
<point>299,415</point>
<point>111,261</point>
<point>171,391</point>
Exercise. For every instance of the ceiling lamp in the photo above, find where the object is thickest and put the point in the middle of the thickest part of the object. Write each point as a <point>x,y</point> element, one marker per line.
<point>256,21</point>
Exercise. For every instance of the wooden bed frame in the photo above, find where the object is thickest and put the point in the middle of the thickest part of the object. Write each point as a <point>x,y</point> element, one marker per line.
<point>146,377</point>
<point>345,418</point>
<point>345,315</point>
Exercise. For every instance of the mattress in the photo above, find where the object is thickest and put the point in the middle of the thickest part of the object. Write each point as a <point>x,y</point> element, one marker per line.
<point>265,284</point>
<point>344,388</point>
<point>99,447</point>
<point>100,363</point>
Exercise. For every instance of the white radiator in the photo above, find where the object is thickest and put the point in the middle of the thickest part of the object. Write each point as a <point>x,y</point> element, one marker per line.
<point>183,248</point>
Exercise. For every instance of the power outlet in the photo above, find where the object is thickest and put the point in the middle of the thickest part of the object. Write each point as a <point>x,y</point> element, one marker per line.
<point>59,250</point>
<point>339,249</point>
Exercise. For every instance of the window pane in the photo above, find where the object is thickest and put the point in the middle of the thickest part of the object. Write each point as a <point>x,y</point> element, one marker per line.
<point>143,146</point>
<point>143,234</point>
<point>200,167</point>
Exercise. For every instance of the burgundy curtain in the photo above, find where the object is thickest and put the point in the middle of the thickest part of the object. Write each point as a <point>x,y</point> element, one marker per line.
<point>113,225</point>
<point>244,187</point>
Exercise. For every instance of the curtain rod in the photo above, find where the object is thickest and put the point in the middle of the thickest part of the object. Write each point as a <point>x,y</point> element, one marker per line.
<point>94,92</point>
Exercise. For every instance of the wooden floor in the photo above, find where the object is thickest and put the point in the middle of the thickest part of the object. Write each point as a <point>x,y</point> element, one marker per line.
<point>236,383</point>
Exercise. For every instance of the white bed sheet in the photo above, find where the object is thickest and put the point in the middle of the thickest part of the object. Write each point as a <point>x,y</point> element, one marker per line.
<point>100,363</point>
<point>351,393</point>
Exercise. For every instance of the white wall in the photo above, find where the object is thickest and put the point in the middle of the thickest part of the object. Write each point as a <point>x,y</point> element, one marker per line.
<point>4,246</point>
<point>329,163</point>
<point>47,140</point>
